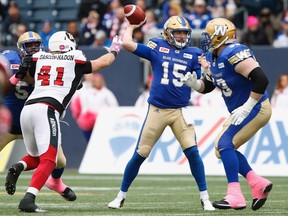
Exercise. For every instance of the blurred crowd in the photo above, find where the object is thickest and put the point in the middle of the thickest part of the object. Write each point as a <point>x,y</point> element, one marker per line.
<point>259,22</point>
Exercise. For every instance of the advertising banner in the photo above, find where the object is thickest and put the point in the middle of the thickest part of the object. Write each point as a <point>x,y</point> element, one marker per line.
<point>116,131</point>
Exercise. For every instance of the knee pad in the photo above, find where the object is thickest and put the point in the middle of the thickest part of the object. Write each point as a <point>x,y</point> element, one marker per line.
<point>144,151</point>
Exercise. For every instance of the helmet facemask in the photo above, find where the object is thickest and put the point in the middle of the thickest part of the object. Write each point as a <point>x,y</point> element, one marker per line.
<point>29,48</point>
<point>176,41</point>
<point>206,42</point>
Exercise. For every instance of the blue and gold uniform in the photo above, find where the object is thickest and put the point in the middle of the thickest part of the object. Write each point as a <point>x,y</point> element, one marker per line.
<point>16,98</point>
<point>232,68</point>
<point>235,87</point>
<point>171,59</point>
<point>169,65</point>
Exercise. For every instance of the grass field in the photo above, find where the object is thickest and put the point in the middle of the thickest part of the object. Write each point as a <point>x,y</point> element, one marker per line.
<point>148,195</point>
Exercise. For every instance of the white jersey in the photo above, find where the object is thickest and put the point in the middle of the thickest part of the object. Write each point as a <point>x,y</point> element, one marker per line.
<point>57,77</point>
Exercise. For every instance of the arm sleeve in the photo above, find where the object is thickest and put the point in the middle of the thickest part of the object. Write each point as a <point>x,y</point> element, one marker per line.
<point>259,79</point>
<point>209,86</point>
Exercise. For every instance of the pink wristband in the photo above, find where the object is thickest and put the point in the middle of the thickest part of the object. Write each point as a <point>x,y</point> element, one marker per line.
<point>13,80</point>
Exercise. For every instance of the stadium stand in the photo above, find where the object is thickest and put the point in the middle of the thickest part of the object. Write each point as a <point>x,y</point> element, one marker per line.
<point>58,11</point>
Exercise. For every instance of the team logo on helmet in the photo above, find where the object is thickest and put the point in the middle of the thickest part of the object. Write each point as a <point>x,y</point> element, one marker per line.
<point>220,30</point>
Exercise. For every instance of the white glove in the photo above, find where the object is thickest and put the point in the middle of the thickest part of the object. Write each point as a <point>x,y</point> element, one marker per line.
<point>240,113</point>
<point>115,46</point>
<point>191,81</point>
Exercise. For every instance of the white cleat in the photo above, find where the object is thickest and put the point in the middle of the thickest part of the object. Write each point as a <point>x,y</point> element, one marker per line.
<point>118,202</point>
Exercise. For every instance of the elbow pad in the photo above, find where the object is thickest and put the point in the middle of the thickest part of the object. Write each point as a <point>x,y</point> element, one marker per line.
<point>259,80</point>
<point>208,83</point>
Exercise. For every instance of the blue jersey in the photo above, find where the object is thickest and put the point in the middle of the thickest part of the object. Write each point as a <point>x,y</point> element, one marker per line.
<point>17,96</point>
<point>235,88</point>
<point>169,65</point>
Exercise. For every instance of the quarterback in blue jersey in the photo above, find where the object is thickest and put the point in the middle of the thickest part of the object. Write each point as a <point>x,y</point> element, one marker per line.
<point>233,69</point>
<point>16,93</point>
<point>171,58</point>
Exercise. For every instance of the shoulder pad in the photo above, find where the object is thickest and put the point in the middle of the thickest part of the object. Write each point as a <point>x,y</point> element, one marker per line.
<point>152,43</point>
<point>238,53</point>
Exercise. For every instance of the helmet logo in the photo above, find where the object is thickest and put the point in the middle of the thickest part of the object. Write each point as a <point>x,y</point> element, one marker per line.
<point>62,47</point>
<point>220,30</point>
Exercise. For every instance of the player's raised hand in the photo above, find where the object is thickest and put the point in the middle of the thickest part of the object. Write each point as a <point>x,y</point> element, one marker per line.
<point>191,80</point>
<point>116,45</point>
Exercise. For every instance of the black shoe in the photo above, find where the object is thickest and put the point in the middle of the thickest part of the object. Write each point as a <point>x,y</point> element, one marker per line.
<point>12,177</point>
<point>68,194</point>
<point>223,204</point>
<point>258,203</point>
<point>27,204</point>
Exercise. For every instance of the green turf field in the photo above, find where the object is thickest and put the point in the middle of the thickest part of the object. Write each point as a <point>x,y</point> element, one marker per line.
<point>148,195</point>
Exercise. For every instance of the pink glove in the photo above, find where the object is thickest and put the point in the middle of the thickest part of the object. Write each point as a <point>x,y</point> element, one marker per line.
<point>115,46</point>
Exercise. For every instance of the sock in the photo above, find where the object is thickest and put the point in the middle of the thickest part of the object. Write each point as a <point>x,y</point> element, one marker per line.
<point>231,164</point>
<point>32,191</point>
<point>42,173</point>
<point>244,166</point>
<point>131,171</point>
<point>204,195</point>
<point>31,162</point>
<point>57,173</point>
<point>122,194</point>
<point>196,167</point>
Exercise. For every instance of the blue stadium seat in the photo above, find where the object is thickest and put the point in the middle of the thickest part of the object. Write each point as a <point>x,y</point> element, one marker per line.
<point>22,4</point>
<point>40,4</point>
<point>66,14</point>
<point>60,4</point>
<point>39,15</point>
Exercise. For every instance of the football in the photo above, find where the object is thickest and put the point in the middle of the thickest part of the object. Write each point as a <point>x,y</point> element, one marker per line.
<point>134,14</point>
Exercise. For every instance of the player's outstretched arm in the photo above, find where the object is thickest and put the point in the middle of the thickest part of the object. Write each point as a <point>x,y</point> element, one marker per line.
<point>107,59</point>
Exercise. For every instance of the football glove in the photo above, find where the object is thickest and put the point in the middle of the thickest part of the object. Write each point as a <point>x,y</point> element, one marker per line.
<point>24,66</point>
<point>240,113</point>
<point>115,46</point>
<point>191,80</point>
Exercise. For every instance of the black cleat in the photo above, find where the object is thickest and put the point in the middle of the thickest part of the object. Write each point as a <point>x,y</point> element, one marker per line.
<point>257,203</point>
<point>223,204</point>
<point>68,194</point>
<point>11,179</point>
<point>27,204</point>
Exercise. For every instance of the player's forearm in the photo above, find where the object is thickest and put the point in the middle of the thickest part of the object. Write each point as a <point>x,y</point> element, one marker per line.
<point>128,42</point>
<point>102,62</point>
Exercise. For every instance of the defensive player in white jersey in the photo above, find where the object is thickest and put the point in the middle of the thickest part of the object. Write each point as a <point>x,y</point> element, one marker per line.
<point>232,68</point>
<point>57,75</point>
<point>171,58</point>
